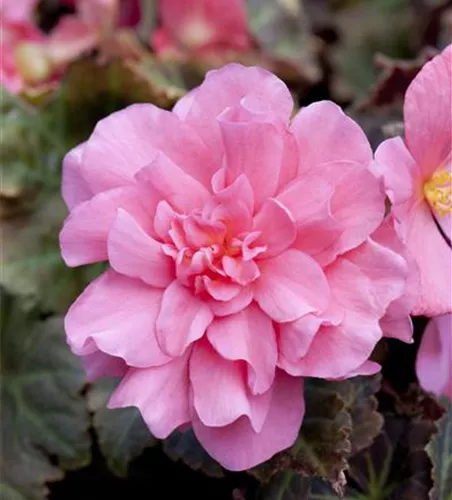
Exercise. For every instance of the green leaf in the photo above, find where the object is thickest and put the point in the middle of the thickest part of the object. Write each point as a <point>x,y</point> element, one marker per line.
<point>440,451</point>
<point>286,486</point>
<point>341,418</point>
<point>396,466</point>
<point>183,445</point>
<point>121,433</point>
<point>32,266</point>
<point>44,417</point>
<point>283,30</point>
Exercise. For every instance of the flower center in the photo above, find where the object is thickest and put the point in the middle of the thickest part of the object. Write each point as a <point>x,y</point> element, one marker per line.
<point>438,192</point>
<point>208,252</point>
<point>32,62</point>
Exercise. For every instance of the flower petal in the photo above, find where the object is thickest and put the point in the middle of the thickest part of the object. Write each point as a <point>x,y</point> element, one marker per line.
<point>83,238</point>
<point>386,269</point>
<point>290,286</point>
<point>160,393</point>
<point>358,202</point>
<point>434,359</point>
<point>98,364</point>
<point>127,140</point>
<point>434,259</point>
<point>205,24</point>
<point>277,228</point>
<point>296,336</point>
<point>252,148</point>
<point>116,315</point>
<point>428,120</point>
<point>235,305</point>
<point>183,318</point>
<point>248,336</point>
<point>309,201</point>
<point>238,447</point>
<point>220,393</point>
<point>226,87</point>
<point>354,292</point>
<point>395,164</point>
<point>135,254</point>
<point>172,184</point>
<point>326,134</point>
<point>74,188</point>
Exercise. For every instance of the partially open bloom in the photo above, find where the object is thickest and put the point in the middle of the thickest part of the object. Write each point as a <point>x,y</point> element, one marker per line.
<point>418,177</point>
<point>246,251</point>
<point>18,30</point>
<point>434,360</point>
<point>201,26</point>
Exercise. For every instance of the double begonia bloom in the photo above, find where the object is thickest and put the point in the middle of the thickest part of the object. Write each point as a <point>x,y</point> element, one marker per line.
<point>434,359</point>
<point>246,251</point>
<point>417,173</point>
<point>201,27</point>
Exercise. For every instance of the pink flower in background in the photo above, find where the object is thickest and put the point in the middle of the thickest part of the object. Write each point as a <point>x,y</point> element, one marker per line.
<point>18,30</point>
<point>18,11</point>
<point>30,58</point>
<point>418,177</point>
<point>434,360</point>
<point>83,31</point>
<point>201,26</point>
<point>128,10</point>
<point>246,252</point>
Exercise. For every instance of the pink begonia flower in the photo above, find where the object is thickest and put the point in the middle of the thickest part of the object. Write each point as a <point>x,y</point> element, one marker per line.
<point>246,252</point>
<point>434,360</point>
<point>418,178</point>
<point>18,29</point>
<point>201,26</point>
<point>81,32</point>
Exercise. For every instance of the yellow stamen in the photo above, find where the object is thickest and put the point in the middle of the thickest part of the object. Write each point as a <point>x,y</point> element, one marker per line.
<point>438,191</point>
<point>32,62</point>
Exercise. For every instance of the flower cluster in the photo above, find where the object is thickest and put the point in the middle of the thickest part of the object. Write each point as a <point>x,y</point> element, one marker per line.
<point>248,250</point>
<point>32,58</point>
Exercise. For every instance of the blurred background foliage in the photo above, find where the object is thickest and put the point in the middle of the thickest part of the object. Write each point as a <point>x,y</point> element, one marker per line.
<point>359,53</point>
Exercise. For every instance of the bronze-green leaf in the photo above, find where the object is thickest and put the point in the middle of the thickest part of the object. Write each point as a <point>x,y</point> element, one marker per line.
<point>44,417</point>
<point>122,434</point>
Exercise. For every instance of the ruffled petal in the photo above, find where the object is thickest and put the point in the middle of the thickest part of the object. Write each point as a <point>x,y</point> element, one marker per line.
<point>238,447</point>
<point>277,228</point>
<point>290,286</point>
<point>74,188</point>
<point>220,393</point>
<point>172,184</point>
<point>127,140</point>
<point>227,87</point>
<point>428,119</point>
<point>254,148</point>
<point>83,239</point>
<point>183,318</point>
<point>248,336</point>
<point>326,134</point>
<point>160,393</point>
<point>134,253</point>
<point>116,315</point>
